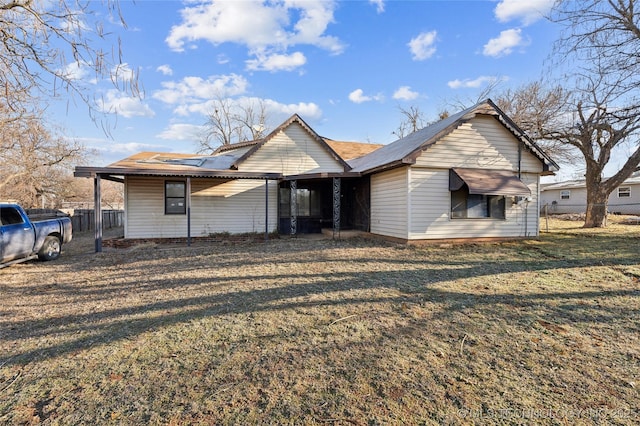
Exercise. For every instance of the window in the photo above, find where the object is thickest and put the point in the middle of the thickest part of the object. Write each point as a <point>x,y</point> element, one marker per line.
<point>10,216</point>
<point>565,194</point>
<point>175,197</point>
<point>624,192</point>
<point>472,206</point>
<point>308,201</point>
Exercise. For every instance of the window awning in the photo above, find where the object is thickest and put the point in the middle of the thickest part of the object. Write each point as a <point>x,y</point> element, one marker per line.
<point>487,182</point>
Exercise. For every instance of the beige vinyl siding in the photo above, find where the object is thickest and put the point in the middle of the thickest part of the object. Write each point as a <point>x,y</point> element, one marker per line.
<point>389,203</point>
<point>292,151</point>
<point>237,207</point>
<point>430,201</point>
<point>216,206</point>
<point>480,143</point>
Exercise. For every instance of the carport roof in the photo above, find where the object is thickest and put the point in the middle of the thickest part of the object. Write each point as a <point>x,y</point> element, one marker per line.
<point>173,165</point>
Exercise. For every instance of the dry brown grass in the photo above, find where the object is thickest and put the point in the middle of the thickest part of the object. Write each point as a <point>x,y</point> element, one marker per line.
<point>323,332</point>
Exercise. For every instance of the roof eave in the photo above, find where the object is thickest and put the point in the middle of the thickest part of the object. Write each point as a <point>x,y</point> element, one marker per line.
<point>111,172</point>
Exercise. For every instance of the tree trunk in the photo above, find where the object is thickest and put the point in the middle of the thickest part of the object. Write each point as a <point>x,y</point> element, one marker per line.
<point>596,214</point>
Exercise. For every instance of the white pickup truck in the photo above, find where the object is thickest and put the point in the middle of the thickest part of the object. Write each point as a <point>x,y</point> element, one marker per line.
<point>22,239</point>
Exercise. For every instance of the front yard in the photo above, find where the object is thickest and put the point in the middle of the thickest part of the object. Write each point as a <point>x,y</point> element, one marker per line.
<point>296,331</point>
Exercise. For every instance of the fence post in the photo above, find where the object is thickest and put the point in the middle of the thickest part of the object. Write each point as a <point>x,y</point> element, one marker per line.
<point>546,216</point>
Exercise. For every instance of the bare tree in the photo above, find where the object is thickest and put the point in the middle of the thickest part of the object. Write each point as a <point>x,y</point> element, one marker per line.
<point>36,164</point>
<point>536,108</point>
<point>42,43</point>
<point>232,121</point>
<point>601,39</point>
<point>413,120</point>
<point>596,128</point>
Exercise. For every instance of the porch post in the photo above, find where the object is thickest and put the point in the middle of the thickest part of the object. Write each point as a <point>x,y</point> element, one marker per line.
<point>294,206</point>
<point>97,210</point>
<point>336,207</point>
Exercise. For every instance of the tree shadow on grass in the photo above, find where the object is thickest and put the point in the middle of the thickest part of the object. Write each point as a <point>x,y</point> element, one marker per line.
<point>415,283</point>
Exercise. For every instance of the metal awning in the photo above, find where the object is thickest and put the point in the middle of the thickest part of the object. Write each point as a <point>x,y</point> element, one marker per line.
<point>487,182</point>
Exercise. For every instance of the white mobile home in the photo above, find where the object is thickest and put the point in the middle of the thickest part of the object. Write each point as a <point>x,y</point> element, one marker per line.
<point>571,197</point>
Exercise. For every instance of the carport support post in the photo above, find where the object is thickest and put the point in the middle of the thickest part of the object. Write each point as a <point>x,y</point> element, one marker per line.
<point>97,210</point>
<point>294,206</point>
<point>266,209</point>
<point>188,201</point>
<point>336,207</point>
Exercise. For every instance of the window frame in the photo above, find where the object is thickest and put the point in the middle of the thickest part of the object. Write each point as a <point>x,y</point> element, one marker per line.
<point>626,191</point>
<point>566,192</point>
<point>180,210</point>
<point>16,214</point>
<point>480,202</point>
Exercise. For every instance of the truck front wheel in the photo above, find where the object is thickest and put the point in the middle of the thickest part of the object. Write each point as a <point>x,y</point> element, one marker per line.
<point>50,248</point>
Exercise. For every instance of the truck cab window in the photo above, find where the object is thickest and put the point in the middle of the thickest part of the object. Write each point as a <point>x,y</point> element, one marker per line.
<point>10,216</point>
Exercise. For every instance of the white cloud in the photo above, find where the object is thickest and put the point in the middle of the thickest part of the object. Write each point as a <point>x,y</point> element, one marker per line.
<point>422,47</point>
<point>114,102</point>
<point>277,62</point>
<point>273,108</point>
<point>358,97</point>
<point>527,11</point>
<point>181,132</point>
<point>130,147</point>
<point>260,26</point>
<point>122,72</point>
<point>305,109</point>
<point>379,5</point>
<point>78,71</point>
<point>165,69</point>
<point>405,93</point>
<point>504,43</point>
<point>193,89</point>
<point>473,83</point>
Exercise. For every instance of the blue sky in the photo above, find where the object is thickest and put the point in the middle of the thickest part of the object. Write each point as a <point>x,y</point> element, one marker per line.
<point>345,67</point>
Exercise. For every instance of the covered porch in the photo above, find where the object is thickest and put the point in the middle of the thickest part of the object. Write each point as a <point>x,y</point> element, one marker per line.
<point>309,204</point>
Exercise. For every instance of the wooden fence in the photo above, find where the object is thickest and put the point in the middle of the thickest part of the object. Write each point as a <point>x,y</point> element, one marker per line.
<point>83,219</point>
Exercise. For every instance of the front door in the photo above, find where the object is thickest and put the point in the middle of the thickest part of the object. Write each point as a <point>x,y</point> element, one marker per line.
<point>17,237</point>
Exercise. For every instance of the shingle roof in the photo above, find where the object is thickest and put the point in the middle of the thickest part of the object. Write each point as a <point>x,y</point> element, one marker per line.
<point>405,150</point>
<point>351,150</point>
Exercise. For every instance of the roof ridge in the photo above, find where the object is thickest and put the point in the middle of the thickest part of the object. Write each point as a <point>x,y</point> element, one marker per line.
<point>231,146</point>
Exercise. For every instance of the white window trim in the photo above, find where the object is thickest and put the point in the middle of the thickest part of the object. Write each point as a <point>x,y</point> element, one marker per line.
<point>626,191</point>
<point>567,192</point>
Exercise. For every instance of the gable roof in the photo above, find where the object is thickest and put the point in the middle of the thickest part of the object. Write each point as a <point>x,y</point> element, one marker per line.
<point>407,149</point>
<point>351,150</point>
<point>295,118</point>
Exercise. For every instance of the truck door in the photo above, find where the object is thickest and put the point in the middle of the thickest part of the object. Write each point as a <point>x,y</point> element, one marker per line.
<point>17,236</point>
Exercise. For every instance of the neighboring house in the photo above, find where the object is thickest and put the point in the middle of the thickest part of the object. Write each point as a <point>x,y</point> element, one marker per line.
<point>571,197</point>
<point>472,175</point>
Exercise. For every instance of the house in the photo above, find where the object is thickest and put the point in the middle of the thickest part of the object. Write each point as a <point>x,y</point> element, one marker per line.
<point>472,175</point>
<point>571,197</point>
